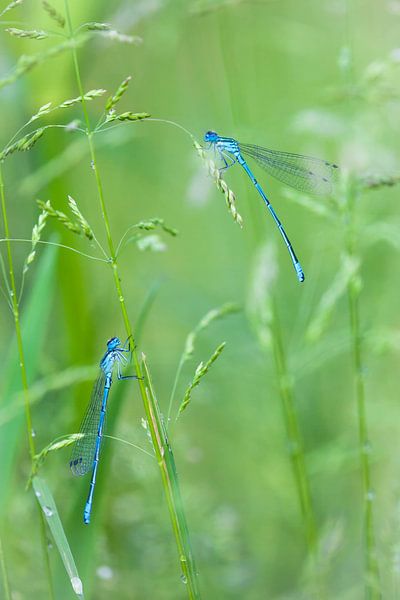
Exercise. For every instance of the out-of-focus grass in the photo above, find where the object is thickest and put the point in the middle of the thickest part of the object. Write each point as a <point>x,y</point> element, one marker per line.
<point>264,72</point>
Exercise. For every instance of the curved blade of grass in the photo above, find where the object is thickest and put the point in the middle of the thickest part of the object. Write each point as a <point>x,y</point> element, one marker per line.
<point>49,508</point>
<point>166,462</point>
<point>4,573</point>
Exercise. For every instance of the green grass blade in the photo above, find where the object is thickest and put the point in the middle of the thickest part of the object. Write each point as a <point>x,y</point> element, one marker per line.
<point>49,508</point>
<point>166,461</point>
<point>4,573</point>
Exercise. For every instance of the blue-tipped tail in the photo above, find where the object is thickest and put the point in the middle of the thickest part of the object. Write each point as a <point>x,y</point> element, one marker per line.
<point>299,272</point>
<point>86,514</point>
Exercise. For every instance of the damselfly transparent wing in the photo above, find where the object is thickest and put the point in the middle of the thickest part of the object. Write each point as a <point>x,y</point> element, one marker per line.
<point>83,451</point>
<point>304,173</point>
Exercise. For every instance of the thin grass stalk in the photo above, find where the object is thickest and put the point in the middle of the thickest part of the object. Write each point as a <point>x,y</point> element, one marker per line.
<point>17,324</point>
<point>4,573</point>
<point>296,446</point>
<point>24,377</point>
<point>159,440</point>
<point>372,578</point>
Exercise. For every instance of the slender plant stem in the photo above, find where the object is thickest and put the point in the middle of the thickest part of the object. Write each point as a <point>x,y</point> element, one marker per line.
<point>372,580</point>
<point>160,443</point>
<point>296,449</point>
<point>17,324</point>
<point>4,574</point>
<point>24,377</point>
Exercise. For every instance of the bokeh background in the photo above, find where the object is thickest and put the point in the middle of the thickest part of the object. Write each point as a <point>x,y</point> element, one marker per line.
<point>315,77</point>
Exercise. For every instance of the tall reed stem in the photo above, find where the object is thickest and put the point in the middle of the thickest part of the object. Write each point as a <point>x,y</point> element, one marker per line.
<point>161,445</point>
<point>372,580</point>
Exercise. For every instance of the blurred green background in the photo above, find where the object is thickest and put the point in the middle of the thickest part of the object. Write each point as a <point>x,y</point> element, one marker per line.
<point>319,78</point>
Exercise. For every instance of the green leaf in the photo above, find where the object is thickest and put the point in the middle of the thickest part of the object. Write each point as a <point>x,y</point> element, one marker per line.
<point>49,508</point>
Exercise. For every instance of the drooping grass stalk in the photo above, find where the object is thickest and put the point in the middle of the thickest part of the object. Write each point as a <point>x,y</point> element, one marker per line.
<point>294,438</point>
<point>161,445</point>
<point>372,580</point>
<point>21,355</point>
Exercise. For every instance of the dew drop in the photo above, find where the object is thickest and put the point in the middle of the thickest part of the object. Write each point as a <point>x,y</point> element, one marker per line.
<point>77,586</point>
<point>370,496</point>
<point>184,579</point>
<point>48,511</point>
<point>105,572</point>
<point>367,447</point>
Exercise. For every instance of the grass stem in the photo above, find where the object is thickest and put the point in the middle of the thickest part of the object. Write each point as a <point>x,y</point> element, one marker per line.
<point>372,583</point>
<point>296,447</point>
<point>161,445</point>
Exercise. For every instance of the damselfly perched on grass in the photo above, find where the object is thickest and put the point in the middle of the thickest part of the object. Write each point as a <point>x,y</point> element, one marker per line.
<point>86,451</point>
<point>304,173</point>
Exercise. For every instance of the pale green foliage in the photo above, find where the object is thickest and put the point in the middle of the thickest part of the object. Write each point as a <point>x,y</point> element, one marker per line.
<point>214,314</point>
<point>113,100</point>
<point>151,242</point>
<point>347,274</point>
<point>315,206</point>
<point>11,6</point>
<point>26,63</point>
<point>127,116</point>
<point>94,26</point>
<point>33,34</point>
<point>88,96</point>
<point>85,227</point>
<point>80,226</point>
<point>188,351</point>
<point>36,234</point>
<point>23,144</point>
<point>47,108</point>
<point>106,30</point>
<point>155,222</point>
<point>200,372</point>
<point>57,444</point>
<point>259,300</point>
<point>54,14</point>
<point>49,508</point>
<point>122,38</point>
<point>221,184</point>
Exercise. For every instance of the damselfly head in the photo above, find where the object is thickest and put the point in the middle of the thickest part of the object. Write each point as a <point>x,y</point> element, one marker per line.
<point>210,136</point>
<point>113,343</point>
